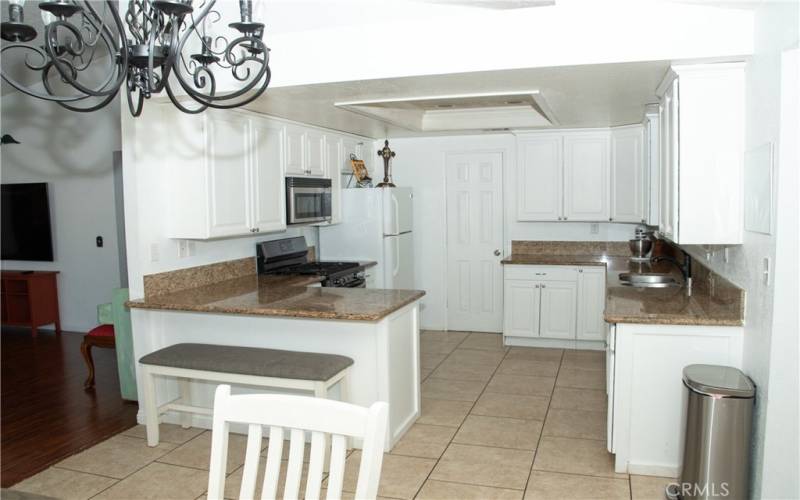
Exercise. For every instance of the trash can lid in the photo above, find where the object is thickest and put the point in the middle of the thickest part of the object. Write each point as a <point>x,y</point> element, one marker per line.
<point>720,381</point>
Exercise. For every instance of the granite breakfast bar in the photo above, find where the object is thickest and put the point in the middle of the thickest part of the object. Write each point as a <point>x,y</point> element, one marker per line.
<point>378,329</point>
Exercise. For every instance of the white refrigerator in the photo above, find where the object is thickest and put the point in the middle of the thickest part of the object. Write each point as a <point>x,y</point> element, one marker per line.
<point>376,225</point>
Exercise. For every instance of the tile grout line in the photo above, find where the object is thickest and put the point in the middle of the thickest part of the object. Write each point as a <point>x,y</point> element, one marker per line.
<point>427,477</point>
<point>544,422</point>
<point>486,384</point>
<point>151,463</point>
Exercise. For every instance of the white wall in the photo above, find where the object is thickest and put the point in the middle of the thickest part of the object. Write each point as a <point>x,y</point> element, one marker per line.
<point>73,152</point>
<point>776,29</point>
<point>406,37</point>
<point>420,164</point>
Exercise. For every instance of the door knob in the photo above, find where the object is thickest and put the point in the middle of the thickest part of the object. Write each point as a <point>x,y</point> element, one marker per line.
<point>497,252</point>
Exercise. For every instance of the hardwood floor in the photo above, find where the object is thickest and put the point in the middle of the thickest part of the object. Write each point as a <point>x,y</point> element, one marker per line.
<point>46,414</point>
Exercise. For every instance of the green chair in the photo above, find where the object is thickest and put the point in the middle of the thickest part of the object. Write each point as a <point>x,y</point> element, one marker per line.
<point>113,332</point>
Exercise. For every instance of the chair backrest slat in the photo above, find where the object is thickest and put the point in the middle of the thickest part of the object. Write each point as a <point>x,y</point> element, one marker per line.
<point>336,469</point>
<point>369,473</point>
<point>294,470</point>
<point>251,459</point>
<point>298,415</point>
<point>316,464</point>
<point>219,446</point>
<point>273,467</point>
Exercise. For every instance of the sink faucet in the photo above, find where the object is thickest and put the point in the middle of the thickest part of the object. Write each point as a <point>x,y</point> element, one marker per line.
<point>685,268</point>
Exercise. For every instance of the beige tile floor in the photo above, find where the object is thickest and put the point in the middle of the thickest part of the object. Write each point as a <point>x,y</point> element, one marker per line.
<point>497,422</point>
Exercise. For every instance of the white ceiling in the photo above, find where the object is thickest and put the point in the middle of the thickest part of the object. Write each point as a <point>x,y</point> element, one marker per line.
<point>577,96</point>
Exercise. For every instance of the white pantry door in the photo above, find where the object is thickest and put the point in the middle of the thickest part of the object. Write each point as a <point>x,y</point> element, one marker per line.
<point>475,242</point>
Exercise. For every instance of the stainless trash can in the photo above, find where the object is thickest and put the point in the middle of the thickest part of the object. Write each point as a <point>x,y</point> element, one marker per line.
<point>716,451</point>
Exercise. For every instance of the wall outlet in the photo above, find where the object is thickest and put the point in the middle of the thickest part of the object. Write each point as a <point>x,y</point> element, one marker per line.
<point>726,254</point>
<point>183,249</point>
<point>594,228</point>
<point>154,253</point>
<point>191,248</point>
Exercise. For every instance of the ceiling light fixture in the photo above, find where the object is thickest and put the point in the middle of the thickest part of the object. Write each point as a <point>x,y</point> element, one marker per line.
<point>146,59</point>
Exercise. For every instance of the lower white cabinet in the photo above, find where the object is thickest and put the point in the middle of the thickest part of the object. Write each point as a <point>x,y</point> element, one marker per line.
<point>646,395</point>
<point>554,304</point>
<point>591,303</point>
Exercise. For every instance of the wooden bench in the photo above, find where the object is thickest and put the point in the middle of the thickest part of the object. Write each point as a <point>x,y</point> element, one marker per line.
<point>250,366</point>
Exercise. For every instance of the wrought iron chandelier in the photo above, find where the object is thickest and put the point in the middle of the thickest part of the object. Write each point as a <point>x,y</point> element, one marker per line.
<point>85,54</point>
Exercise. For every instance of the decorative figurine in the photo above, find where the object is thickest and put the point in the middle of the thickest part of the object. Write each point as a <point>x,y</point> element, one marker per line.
<point>387,155</point>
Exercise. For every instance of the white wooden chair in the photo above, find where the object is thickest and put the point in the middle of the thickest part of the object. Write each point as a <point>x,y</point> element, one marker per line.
<point>294,415</point>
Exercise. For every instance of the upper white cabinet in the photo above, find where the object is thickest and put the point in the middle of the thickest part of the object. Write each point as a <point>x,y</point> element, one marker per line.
<point>539,186</point>
<point>627,174</point>
<point>702,148</point>
<point>586,162</point>
<point>229,180</point>
<point>315,154</point>
<point>305,152</point>
<point>295,150</point>
<point>568,175</point>
<point>226,175</point>
<point>269,202</point>
<point>229,183</point>
<point>333,158</point>
<point>652,165</point>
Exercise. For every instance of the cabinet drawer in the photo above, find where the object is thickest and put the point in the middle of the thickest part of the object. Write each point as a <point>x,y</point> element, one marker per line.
<point>541,273</point>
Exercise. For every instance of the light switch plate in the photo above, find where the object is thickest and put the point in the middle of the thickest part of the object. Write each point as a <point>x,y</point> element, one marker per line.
<point>154,253</point>
<point>594,228</point>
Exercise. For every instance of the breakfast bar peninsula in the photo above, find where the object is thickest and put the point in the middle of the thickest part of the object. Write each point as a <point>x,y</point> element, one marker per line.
<point>378,329</point>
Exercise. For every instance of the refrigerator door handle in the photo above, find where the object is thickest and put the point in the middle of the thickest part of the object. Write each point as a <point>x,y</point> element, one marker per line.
<point>396,218</point>
<point>396,269</point>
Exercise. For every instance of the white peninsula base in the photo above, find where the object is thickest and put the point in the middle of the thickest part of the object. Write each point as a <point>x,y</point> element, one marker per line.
<point>385,354</point>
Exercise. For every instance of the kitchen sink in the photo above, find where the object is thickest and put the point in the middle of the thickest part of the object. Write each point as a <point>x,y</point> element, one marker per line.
<point>648,280</point>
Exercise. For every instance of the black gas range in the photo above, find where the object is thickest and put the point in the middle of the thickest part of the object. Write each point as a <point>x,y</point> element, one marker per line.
<point>289,257</point>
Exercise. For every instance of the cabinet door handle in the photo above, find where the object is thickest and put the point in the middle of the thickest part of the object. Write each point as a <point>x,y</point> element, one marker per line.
<point>543,286</point>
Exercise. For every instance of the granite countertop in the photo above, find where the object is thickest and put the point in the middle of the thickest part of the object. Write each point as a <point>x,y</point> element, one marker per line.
<point>282,296</point>
<point>719,304</point>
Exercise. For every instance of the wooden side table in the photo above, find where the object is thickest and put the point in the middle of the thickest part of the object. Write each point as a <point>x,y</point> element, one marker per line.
<point>30,299</point>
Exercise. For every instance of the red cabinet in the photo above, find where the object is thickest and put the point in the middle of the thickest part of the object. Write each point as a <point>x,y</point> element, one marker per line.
<point>30,299</point>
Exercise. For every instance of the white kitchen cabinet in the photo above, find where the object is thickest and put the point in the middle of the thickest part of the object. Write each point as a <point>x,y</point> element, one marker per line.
<point>557,305</point>
<point>333,158</point>
<point>267,159</point>
<point>586,176</point>
<point>548,304</point>
<point>702,149</point>
<point>315,154</point>
<point>305,152</point>
<point>539,177</point>
<point>521,315</point>
<point>627,174</point>
<point>591,303</point>
<point>652,165</point>
<point>646,393</point>
<point>228,179</point>
<point>228,149</point>
<point>295,150</point>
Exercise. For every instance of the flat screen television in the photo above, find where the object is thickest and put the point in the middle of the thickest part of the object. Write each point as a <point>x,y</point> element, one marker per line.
<point>26,233</point>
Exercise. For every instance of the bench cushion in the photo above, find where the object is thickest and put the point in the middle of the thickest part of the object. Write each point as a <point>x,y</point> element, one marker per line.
<point>250,361</point>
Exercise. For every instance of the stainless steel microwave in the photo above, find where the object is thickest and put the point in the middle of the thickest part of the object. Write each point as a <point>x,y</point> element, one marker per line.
<point>307,200</point>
